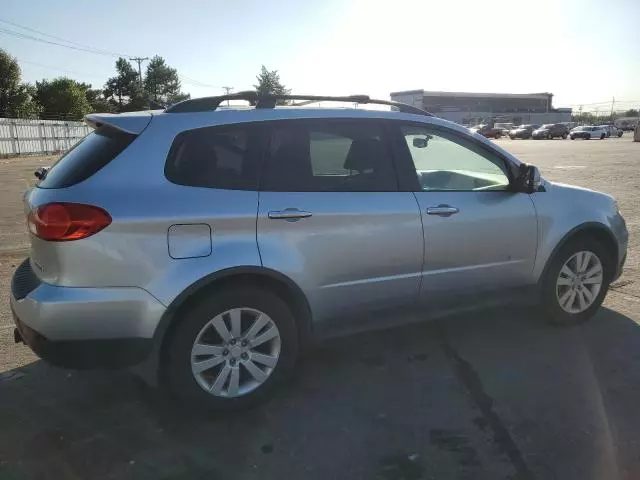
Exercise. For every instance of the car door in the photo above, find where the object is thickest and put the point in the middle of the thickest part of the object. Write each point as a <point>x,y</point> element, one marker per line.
<point>480,235</point>
<point>332,219</point>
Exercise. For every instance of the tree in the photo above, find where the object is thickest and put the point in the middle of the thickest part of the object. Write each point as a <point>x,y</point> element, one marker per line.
<point>97,100</point>
<point>62,97</point>
<point>269,83</point>
<point>162,82</point>
<point>16,99</point>
<point>630,113</point>
<point>125,86</point>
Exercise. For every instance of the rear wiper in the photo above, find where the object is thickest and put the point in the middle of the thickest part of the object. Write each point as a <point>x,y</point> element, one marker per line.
<point>41,173</point>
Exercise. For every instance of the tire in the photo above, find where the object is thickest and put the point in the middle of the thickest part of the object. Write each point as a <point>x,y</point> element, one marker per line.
<point>572,137</point>
<point>587,137</point>
<point>564,136</point>
<point>552,293</point>
<point>602,136</point>
<point>549,137</point>
<point>620,134</point>
<point>512,137</point>
<point>182,380</point>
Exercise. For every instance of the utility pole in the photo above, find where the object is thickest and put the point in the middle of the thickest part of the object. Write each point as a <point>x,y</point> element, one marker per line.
<point>139,60</point>
<point>613,102</point>
<point>227,91</point>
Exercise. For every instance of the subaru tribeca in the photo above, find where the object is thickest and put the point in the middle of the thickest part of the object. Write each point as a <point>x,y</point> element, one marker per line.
<point>203,246</point>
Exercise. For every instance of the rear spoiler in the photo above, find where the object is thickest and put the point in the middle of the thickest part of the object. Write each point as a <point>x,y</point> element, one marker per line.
<point>133,123</point>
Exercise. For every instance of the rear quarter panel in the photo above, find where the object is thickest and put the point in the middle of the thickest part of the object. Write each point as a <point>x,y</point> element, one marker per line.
<point>133,251</point>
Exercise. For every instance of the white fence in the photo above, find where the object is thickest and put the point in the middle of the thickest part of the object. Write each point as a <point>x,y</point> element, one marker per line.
<point>39,137</point>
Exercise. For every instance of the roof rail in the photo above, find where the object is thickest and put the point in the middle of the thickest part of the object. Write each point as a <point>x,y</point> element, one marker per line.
<point>269,101</point>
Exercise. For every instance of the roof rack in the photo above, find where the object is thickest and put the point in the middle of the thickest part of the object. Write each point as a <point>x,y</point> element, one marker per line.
<point>269,101</point>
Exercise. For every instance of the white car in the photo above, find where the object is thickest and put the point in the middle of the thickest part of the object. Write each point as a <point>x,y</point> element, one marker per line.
<point>588,132</point>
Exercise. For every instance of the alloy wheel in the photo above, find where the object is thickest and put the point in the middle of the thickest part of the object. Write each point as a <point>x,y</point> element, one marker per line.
<point>235,352</point>
<point>579,282</point>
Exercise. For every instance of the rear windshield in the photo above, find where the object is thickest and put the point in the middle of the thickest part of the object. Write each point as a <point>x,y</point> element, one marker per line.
<point>86,157</point>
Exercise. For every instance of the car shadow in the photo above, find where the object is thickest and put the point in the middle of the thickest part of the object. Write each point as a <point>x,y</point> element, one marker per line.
<point>392,404</point>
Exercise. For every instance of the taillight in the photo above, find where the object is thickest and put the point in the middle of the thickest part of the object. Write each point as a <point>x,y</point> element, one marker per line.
<point>61,222</point>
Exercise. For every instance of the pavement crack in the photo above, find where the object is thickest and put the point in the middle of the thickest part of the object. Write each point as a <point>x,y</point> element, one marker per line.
<point>472,382</point>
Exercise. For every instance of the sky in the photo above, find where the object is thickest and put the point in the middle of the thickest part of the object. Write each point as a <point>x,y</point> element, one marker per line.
<point>584,52</point>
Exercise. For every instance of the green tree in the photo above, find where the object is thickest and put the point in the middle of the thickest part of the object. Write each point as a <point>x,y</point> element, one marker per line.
<point>16,99</point>
<point>269,83</point>
<point>62,98</point>
<point>97,100</point>
<point>630,113</point>
<point>162,82</point>
<point>125,86</point>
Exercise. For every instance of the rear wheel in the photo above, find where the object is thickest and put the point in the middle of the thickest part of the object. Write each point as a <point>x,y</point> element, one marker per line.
<point>550,137</point>
<point>576,281</point>
<point>602,136</point>
<point>232,349</point>
<point>572,137</point>
<point>588,137</point>
<point>564,136</point>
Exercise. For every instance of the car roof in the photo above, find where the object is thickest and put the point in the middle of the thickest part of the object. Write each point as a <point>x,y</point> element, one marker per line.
<point>176,122</point>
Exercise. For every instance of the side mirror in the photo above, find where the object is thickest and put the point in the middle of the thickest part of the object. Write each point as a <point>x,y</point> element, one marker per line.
<point>422,142</point>
<point>529,179</point>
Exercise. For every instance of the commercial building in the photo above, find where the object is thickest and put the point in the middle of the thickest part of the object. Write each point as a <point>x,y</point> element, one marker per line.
<point>473,108</point>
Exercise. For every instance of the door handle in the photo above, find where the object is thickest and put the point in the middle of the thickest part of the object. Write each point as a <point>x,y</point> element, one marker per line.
<point>442,210</point>
<point>290,214</point>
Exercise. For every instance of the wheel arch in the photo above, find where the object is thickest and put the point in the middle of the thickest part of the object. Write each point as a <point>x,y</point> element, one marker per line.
<point>262,277</point>
<point>595,230</point>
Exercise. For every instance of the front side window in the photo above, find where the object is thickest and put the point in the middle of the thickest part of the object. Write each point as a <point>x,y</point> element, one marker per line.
<point>326,156</point>
<point>215,157</point>
<point>445,162</point>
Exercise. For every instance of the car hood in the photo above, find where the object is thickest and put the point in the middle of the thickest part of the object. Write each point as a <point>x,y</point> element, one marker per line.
<point>578,194</point>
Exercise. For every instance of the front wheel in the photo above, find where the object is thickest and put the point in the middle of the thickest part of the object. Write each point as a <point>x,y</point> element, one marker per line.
<point>564,136</point>
<point>572,137</point>
<point>588,137</point>
<point>550,137</point>
<point>232,349</point>
<point>602,136</point>
<point>576,281</point>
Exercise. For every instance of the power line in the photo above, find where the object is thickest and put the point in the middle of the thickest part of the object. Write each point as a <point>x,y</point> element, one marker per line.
<point>88,49</point>
<point>75,72</point>
<point>42,40</point>
<point>63,39</point>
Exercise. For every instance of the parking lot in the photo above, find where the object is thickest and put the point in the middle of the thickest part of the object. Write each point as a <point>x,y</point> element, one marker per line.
<point>491,395</point>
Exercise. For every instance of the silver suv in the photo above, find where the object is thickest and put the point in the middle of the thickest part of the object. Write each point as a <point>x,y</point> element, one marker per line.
<point>203,246</point>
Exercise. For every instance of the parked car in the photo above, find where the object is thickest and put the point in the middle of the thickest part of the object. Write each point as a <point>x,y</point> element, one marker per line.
<point>523,131</point>
<point>487,131</point>
<point>551,131</point>
<point>611,131</point>
<point>588,132</point>
<point>206,248</point>
<point>504,128</point>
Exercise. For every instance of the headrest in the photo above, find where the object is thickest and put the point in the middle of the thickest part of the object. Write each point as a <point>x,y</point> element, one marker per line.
<point>364,154</point>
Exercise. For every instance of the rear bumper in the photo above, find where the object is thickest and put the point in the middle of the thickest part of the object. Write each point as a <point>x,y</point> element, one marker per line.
<point>84,327</point>
<point>84,354</point>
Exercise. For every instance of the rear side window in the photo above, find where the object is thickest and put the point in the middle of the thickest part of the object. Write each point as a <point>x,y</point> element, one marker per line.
<point>327,156</point>
<point>87,157</point>
<point>215,157</point>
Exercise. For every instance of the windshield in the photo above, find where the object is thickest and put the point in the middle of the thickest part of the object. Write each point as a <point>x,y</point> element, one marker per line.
<point>547,126</point>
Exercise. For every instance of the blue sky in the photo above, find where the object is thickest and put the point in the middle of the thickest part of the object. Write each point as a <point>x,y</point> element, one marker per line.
<point>583,51</point>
